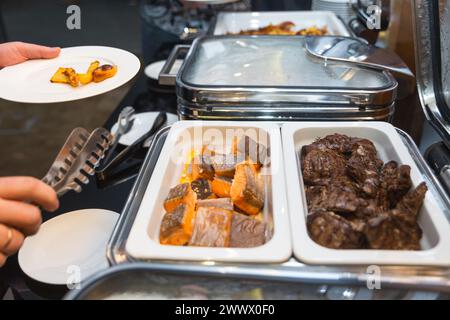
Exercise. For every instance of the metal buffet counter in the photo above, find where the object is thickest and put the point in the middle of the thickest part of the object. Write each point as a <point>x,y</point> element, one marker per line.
<point>292,271</point>
<point>204,94</point>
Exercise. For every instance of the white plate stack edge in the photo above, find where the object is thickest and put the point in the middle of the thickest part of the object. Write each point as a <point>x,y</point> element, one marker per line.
<point>342,8</point>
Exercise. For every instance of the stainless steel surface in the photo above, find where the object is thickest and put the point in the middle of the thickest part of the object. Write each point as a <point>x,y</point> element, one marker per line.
<point>415,278</point>
<point>432,30</point>
<point>68,151</point>
<point>246,70</point>
<point>124,125</point>
<point>148,281</point>
<point>77,160</point>
<point>358,51</point>
<point>264,111</point>
<point>165,77</point>
<point>445,177</point>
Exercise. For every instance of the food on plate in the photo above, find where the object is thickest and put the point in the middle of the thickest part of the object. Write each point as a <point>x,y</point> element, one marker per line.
<point>355,201</point>
<point>212,227</point>
<point>176,226</point>
<point>95,73</point>
<point>224,203</point>
<point>252,151</point>
<point>87,77</point>
<point>333,231</point>
<point>220,198</point>
<point>104,72</point>
<point>202,167</point>
<point>221,186</point>
<point>225,165</point>
<point>202,188</point>
<point>286,29</point>
<point>180,194</point>
<point>246,190</point>
<point>246,232</point>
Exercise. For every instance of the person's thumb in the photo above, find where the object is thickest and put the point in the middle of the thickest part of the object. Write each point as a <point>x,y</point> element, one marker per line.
<point>33,51</point>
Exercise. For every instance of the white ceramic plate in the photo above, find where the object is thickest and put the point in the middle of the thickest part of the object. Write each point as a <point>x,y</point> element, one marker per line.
<point>236,21</point>
<point>143,241</point>
<point>436,229</point>
<point>154,69</point>
<point>142,124</point>
<point>71,242</point>
<point>29,82</point>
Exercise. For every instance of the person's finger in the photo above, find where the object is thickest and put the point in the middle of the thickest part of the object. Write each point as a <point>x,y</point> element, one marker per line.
<point>2,259</point>
<point>34,51</point>
<point>23,216</point>
<point>10,240</point>
<point>29,189</point>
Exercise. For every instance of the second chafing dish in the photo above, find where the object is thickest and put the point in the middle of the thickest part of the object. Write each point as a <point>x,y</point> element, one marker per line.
<point>273,78</point>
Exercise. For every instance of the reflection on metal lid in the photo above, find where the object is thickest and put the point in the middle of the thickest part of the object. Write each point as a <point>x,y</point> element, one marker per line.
<point>274,62</point>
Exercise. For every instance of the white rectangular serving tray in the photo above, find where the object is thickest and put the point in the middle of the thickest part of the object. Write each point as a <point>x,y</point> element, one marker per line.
<point>435,241</point>
<point>143,241</point>
<point>234,22</point>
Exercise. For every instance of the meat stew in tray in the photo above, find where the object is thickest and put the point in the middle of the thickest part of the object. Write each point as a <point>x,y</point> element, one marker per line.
<point>219,200</point>
<point>355,201</point>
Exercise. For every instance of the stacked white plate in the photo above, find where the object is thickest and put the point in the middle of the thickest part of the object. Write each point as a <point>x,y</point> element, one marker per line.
<point>342,8</point>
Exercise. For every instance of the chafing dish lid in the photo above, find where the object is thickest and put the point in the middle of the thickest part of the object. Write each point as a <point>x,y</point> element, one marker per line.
<point>432,40</point>
<point>252,65</point>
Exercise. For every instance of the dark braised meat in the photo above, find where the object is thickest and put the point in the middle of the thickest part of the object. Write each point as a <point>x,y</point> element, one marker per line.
<point>390,231</point>
<point>412,201</point>
<point>396,180</point>
<point>357,202</point>
<point>337,142</point>
<point>333,231</point>
<point>320,165</point>
<point>364,166</point>
<point>340,196</point>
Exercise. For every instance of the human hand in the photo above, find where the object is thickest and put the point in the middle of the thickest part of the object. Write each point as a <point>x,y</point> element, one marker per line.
<point>19,218</point>
<point>17,52</point>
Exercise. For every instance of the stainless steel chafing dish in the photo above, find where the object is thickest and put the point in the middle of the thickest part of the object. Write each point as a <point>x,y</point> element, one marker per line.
<point>274,78</point>
<point>433,79</point>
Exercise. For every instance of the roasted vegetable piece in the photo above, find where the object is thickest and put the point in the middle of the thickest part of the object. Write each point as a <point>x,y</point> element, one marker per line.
<point>180,194</point>
<point>87,77</point>
<point>72,76</point>
<point>176,227</point>
<point>246,189</point>
<point>104,72</point>
<point>60,76</point>
<point>212,227</point>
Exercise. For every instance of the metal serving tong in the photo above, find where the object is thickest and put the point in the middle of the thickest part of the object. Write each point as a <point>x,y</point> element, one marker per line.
<point>358,51</point>
<point>124,166</point>
<point>77,160</point>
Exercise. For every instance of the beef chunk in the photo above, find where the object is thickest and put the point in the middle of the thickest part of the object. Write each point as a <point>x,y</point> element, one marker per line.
<point>391,231</point>
<point>413,200</point>
<point>339,196</point>
<point>319,165</point>
<point>396,180</point>
<point>337,142</point>
<point>333,231</point>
